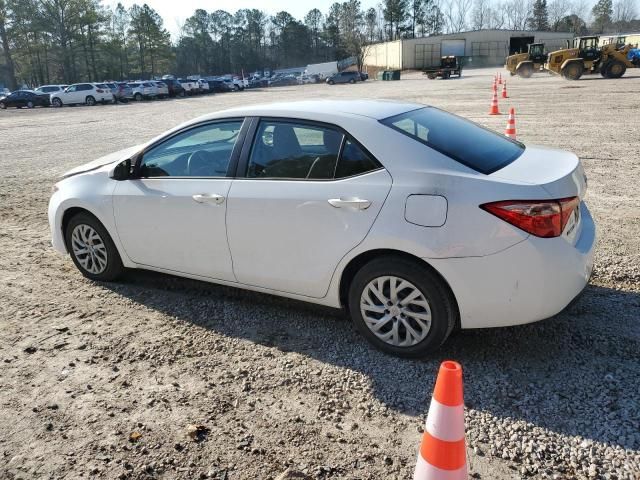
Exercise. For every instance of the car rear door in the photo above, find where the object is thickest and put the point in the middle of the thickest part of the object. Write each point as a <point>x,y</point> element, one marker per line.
<point>305,195</point>
<point>172,215</point>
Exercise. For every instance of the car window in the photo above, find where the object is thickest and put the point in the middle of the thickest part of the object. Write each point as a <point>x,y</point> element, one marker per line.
<point>290,150</point>
<point>354,161</point>
<point>202,151</point>
<point>71,88</point>
<point>461,140</point>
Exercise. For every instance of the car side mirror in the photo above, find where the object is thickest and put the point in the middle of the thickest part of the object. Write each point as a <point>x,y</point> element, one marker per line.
<point>122,171</point>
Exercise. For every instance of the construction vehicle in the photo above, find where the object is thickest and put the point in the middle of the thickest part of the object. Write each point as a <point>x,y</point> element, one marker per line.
<point>585,56</point>
<point>524,64</point>
<point>449,65</point>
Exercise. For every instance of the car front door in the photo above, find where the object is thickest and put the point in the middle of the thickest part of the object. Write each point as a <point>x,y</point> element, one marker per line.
<point>306,194</point>
<point>70,94</point>
<point>172,215</point>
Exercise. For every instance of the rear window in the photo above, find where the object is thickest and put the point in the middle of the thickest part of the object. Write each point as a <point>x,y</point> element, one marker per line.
<point>465,142</point>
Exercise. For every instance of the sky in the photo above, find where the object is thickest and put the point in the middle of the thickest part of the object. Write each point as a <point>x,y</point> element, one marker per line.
<point>175,12</point>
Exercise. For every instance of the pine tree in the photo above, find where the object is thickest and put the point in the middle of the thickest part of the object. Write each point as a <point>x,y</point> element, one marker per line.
<point>539,16</point>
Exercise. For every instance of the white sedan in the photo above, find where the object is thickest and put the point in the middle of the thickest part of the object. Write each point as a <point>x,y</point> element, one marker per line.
<point>414,220</point>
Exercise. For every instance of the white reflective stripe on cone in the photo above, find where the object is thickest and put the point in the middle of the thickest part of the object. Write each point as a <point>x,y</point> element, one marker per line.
<point>426,471</point>
<point>445,423</point>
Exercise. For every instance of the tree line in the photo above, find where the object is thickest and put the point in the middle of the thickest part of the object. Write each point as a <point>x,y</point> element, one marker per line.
<point>65,41</point>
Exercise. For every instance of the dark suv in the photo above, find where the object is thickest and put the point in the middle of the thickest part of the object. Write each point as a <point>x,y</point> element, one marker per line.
<point>175,89</point>
<point>344,77</point>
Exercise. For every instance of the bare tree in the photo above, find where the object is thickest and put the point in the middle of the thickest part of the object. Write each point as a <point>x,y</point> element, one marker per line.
<point>481,14</point>
<point>557,9</point>
<point>455,14</point>
<point>518,13</point>
<point>625,11</point>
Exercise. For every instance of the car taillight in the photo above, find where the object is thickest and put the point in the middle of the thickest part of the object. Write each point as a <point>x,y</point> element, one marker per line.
<point>99,90</point>
<point>542,218</point>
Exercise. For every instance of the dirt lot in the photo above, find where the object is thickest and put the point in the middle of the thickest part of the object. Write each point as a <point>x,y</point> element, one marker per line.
<point>279,384</point>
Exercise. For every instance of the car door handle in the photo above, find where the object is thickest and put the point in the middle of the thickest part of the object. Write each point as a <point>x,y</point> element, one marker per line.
<point>357,203</point>
<point>208,198</point>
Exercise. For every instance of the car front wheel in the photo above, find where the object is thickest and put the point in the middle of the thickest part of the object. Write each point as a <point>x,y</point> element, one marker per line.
<point>92,249</point>
<point>401,307</point>
<point>56,102</point>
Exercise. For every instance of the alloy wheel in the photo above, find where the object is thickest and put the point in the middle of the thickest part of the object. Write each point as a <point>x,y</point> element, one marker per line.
<point>89,249</point>
<point>396,311</point>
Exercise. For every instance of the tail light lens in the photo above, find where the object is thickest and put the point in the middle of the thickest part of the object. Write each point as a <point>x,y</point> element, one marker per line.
<point>99,90</point>
<point>542,218</point>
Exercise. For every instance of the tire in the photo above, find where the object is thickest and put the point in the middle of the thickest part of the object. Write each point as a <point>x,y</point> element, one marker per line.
<point>29,104</point>
<point>108,266</point>
<point>352,81</point>
<point>573,71</point>
<point>3,106</point>
<point>440,306</point>
<point>525,71</point>
<point>331,82</point>
<point>138,97</point>
<point>615,69</point>
<point>56,102</point>
<point>603,69</point>
<point>90,101</point>
<point>181,94</point>
<point>432,76</point>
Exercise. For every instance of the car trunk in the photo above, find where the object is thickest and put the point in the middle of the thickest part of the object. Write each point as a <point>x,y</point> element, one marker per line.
<point>560,173</point>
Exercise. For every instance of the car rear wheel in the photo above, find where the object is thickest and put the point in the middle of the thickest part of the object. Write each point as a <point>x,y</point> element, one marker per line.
<point>3,105</point>
<point>401,307</point>
<point>331,82</point>
<point>137,97</point>
<point>91,248</point>
<point>352,81</point>
<point>29,104</point>
<point>90,101</point>
<point>56,102</point>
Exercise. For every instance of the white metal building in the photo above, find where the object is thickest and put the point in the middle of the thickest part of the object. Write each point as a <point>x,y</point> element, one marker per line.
<point>479,47</point>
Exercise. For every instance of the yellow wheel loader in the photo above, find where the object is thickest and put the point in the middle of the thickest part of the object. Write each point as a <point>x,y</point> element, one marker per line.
<point>584,56</point>
<point>524,64</point>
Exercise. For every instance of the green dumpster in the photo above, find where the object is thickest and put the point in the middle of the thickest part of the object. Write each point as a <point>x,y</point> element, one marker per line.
<point>395,75</point>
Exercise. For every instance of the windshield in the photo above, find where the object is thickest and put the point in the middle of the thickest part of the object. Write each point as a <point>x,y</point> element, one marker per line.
<point>465,142</point>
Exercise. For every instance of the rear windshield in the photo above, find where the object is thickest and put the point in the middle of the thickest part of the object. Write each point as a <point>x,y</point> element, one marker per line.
<point>466,142</point>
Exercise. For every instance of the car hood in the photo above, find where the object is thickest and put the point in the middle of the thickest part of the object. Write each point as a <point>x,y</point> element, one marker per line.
<point>106,160</point>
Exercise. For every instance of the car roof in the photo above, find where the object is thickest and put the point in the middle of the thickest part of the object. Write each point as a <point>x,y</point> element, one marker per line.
<point>376,109</point>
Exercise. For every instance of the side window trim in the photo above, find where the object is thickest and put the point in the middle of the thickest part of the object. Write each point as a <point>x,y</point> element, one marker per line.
<point>243,163</point>
<point>235,153</point>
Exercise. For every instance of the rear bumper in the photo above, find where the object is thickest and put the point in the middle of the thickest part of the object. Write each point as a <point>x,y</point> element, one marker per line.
<point>530,281</point>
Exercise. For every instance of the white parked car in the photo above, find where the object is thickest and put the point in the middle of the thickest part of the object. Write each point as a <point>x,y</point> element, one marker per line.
<point>82,93</point>
<point>190,86</point>
<point>415,220</point>
<point>162,89</point>
<point>143,90</point>
<point>50,88</point>
<point>203,85</point>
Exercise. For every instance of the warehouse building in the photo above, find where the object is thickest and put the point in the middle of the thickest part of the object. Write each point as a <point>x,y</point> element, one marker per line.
<point>480,48</point>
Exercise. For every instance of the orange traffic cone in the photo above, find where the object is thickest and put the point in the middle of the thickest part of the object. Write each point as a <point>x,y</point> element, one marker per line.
<point>499,78</point>
<point>510,131</point>
<point>493,110</point>
<point>442,451</point>
<point>504,90</point>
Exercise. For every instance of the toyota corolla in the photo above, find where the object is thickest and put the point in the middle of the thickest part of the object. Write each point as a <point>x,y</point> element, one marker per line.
<point>414,220</point>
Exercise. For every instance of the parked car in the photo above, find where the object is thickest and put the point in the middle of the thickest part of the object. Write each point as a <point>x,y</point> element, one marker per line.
<point>82,93</point>
<point>124,92</point>
<point>174,87</point>
<point>143,90</point>
<point>364,76</point>
<point>24,98</point>
<point>49,89</point>
<point>344,77</point>
<point>204,86</point>
<point>162,89</point>
<point>258,82</point>
<point>415,220</point>
<point>190,86</point>
<point>283,81</point>
<point>219,86</point>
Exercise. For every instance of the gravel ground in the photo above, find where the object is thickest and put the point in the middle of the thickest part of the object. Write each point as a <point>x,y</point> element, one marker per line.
<point>105,380</point>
